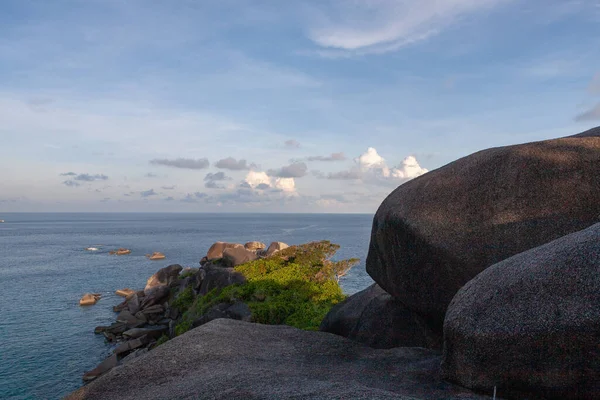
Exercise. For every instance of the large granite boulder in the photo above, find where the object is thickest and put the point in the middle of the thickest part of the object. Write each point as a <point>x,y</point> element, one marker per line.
<point>436,232</point>
<point>218,277</point>
<point>273,248</point>
<point>164,276</point>
<point>156,295</point>
<point>530,325</point>
<point>254,246</point>
<point>227,359</point>
<point>375,318</point>
<point>216,250</point>
<point>233,257</point>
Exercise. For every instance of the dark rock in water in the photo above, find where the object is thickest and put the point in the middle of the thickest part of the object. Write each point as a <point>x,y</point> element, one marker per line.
<point>375,318</point>
<point>164,277</point>
<point>115,328</point>
<point>530,325</point>
<point>227,359</point>
<point>151,333</point>
<point>154,296</point>
<point>131,345</point>
<point>237,256</point>
<point>102,368</point>
<point>218,277</point>
<point>129,320</point>
<point>216,250</point>
<point>436,232</point>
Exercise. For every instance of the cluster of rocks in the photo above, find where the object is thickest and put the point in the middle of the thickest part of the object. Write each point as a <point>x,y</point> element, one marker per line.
<point>146,315</point>
<point>487,276</point>
<point>495,256</point>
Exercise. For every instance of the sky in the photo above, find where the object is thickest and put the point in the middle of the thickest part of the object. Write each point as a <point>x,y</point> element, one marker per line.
<point>276,106</point>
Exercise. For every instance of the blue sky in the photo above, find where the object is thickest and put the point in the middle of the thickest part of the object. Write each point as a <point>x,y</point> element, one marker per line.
<point>312,106</point>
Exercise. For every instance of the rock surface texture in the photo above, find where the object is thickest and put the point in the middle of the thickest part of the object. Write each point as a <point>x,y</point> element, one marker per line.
<point>375,318</point>
<point>89,299</point>
<point>530,325</point>
<point>237,256</point>
<point>435,233</point>
<point>164,276</point>
<point>227,359</point>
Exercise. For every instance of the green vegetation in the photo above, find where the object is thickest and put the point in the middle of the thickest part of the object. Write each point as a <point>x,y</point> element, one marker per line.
<point>189,272</point>
<point>184,300</point>
<point>164,338</point>
<point>297,286</point>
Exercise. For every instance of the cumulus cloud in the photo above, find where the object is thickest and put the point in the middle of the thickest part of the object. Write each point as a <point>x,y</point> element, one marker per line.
<point>292,144</point>
<point>287,185</point>
<point>168,187</point>
<point>213,185</point>
<point>148,193</point>
<point>150,175</point>
<point>217,176</point>
<point>254,178</point>
<point>295,170</point>
<point>185,163</point>
<point>68,174</point>
<point>372,168</point>
<point>168,198</point>
<point>332,157</point>
<point>90,178</point>
<point>194,197</point>
<point>590,115</point>
<point>233,164</point>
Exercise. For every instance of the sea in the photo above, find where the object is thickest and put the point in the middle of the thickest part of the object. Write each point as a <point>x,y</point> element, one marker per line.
<point>47,340</point>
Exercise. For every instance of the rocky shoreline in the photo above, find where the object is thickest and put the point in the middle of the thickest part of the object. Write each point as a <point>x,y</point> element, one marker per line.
<point>487,276</point>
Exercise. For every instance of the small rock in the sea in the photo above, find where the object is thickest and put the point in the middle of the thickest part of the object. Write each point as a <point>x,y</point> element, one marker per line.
<point>89,299</point>
<point>91,248</point>
<point>120,252</point>
<point>124,292</point>
<point>157,255</point>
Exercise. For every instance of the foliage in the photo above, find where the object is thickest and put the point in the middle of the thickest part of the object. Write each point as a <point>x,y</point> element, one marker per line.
<point>184,299</point>
<point>164,338</point>
<point>297,286</point>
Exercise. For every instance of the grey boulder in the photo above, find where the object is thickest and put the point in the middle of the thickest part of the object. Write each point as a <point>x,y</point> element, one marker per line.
<point>237,256</point>
<point>436,232</point>
<point>163,277</point>
<point>530,325</point>
<point>218,277</point>
<point>375,318</point>
<point>228,359</point>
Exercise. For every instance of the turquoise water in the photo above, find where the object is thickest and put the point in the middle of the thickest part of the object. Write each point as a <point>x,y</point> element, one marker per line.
<point>47,339</point>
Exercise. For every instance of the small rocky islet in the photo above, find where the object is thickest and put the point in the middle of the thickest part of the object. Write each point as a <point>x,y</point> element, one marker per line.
<point>487,276</point>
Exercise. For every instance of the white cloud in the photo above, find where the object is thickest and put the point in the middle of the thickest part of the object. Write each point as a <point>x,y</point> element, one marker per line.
<point>254,178</point>
<point>370,159</point>
<point>378,26</point>
<point>285,184</point>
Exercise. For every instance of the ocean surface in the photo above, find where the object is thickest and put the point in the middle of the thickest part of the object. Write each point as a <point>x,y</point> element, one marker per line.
<point>47,340</point>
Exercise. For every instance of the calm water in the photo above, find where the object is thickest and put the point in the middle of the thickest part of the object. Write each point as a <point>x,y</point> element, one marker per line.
<point>47,339</point>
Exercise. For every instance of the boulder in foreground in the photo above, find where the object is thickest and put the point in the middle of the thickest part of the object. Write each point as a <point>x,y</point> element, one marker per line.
<point>375,318</point>
<point>227,359</point>
<point>530,325</point>
<point>435,233</point>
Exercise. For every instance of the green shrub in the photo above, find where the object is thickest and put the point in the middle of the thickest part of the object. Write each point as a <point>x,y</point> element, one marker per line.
<point>297,286</point>
<point>164,338</point>
<point>184,299</point>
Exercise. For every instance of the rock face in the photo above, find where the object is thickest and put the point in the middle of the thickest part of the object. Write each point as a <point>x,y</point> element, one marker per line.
<point>253,246</point>
<point>124,292</point>
<point>235,256</point>
<point>89,299</point>
<point>375,318</point>
<point>226,359</point>
<point>435,233</point>
<point>218,277</point>
<point>164,276</point>
<point>157,255</point>
<point>274,248</point>
<point>216,250</point>
<point>531,324</point>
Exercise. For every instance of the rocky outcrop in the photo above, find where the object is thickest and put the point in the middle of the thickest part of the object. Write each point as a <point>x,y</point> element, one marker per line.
<point>120,252</point>
<point>218,277</point>
<point>235,256</point>
<point>253,246</point>
<point>375,318</point>
<point>215,251</point>
<point>273,248</point>
<point>227,359</point>
<point>436,232</point>
<point>89,299</point>
<point>157,255</point>
<point>164,277</point>
<point>530,325</point>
